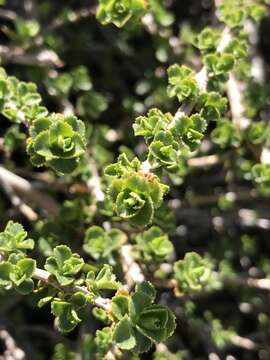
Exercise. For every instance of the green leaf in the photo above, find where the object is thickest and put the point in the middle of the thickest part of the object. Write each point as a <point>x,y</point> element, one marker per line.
<point>14,238</point>
<point>91,104</point>
<point>61,352</point>
<point>81,79</point>
<point>124,335</point>
<point>139,301</point>
<point>42,145</point>
<point>120,306</point>
<point>57,141</point>
<point>261,176</point>
<point>26,266</point>
<point>22,271</point>
<point>78,300</point>
<point>105,279</point>
<point>66,316</point>
<point>103,341</point>
<point>13,139</point>
<point>60,85</point>
<point>219,66</point>
<point>212,105</point>
<point>64,265</point>
<point>193,273</point>
<point>153,245</point>
<point>143,343</point>
<point>155,121</point>
<point>135,196</point>
<point>64,166</point>
<point>257,132</point>
<point>119,12</point>
<point>164,149</point>
<point>156,322</point>
<point>6,269</point>
<point>208,39</point>
<point>161,14</point>
<point>145,216</point>
<point>226,134</point>
<point>147,288</point>
<point>26,287</point>
<point>101,244</point>
<point>232,13</point>
<point>182,83</point>
<point>122,166</point>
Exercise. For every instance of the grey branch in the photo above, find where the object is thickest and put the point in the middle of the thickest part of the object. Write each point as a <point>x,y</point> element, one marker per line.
<point>25,189</point>
<point>16,55</point>
<point>45,276</point>
<point>234,91</point>
<point>12,351</point>
<point>132,271</point>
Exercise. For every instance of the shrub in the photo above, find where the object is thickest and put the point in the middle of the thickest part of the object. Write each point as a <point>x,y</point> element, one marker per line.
<point>134,180</point>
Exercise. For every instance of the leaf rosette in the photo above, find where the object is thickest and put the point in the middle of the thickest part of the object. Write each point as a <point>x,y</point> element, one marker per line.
<point>14,239</point>
<point>164,149</point>
<point>212,105</point>
<point>139,321</point>
<point>192,273</point>
<point>219,66</point>
<point>101,244</point>
<point>152,123</point>
<point>68,311</point>
<point>17,273</point>
<point>19,100</point>
<point>135,197</point>
<point>260,174</point>
<point>208,39</point>
<point>57,141</point>
<point>64,265</point>
<point>119,12</point>
<point>154,245</point>
<point>105,279</point>
<point>182,83</point>
<point>226,134</point>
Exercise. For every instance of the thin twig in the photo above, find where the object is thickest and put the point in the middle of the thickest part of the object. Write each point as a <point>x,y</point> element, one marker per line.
<point>260,284</point>
<point>205,161</point>
<point>45,276</point>
<point>8,14</point>
<point>76,16</point>
<point>16,55</point>
<point>132,271</point>
<point>24,188</point>
<point>18,203</point>
<point>94,183</point>
<point>235,91</point>
<point>12,352</point>
<point>112,353</point>
<point>244,343</point>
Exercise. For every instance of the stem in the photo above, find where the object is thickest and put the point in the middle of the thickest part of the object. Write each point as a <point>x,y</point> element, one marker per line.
<point>8,14</point>
<point>244,343</point>
<point>203,161</point>
<point>132,271</point>
<point>45,276</point>
<point>12,350</point>
<point>77,16</point>
<point>94,183</point>
<point>15,55</point>
<point>234,91</point>
<point>25,188</point>
<point>202,80</point>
